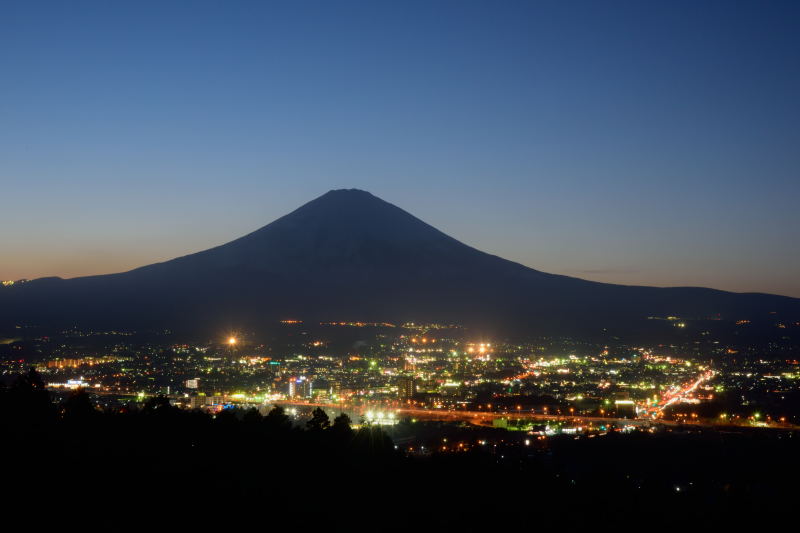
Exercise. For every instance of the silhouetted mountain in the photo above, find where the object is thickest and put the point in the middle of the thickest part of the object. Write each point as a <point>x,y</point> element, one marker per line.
<point>349,255</point>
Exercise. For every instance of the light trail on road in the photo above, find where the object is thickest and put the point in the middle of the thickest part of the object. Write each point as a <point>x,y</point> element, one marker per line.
<point>485,418</point>
<point>677,394</point>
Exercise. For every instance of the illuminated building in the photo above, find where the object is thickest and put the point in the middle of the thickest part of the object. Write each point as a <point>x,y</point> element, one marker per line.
<point>625,408</point>
<point>300,387</point>
<point>214,400</point>
<point>196,402</point>
<point>335,387</point>
<point>406,387</point>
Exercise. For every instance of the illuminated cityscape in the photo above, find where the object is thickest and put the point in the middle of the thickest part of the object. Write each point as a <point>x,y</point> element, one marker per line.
<point>430,372</point>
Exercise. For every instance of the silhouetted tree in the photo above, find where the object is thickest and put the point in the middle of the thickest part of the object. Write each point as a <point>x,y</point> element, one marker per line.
<point>159,405</point>
<point>29,381</point>
<point>319,420</point>
<point>27,401</point>
<point>278,420</point>
<point>372,441</point>
<point>252,416</point>
<point>227,417</point>
<point>78,407</point>
<point>341,426</point>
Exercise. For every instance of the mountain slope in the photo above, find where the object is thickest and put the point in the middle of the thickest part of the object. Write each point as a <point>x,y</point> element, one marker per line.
<point>348,255</point>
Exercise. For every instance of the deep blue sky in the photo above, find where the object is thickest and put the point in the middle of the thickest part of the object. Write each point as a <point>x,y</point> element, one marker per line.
<point>633,142</point>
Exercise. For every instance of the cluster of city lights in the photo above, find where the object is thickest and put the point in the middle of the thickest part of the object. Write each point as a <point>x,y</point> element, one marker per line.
<point>379,417</point>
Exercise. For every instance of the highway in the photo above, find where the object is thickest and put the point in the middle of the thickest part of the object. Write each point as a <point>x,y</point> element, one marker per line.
<point>486,418</point>
<point>677,394</point>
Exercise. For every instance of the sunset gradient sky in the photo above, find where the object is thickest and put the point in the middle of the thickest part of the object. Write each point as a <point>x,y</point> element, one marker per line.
<point>632,142</point>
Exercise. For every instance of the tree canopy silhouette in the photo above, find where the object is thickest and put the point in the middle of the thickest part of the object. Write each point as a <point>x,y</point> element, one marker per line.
<point>319,420</point>
<point>78,407</point>
<point>278,420</point>
<point>341,426</point>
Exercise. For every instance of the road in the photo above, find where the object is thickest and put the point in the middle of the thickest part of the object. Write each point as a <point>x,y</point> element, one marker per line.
<point>676,394</point>
<point>481,418</point>
<point>486,418</point>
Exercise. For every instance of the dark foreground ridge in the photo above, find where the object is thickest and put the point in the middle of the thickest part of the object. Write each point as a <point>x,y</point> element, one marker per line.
<point>153,463</point>
<point>349,255</point>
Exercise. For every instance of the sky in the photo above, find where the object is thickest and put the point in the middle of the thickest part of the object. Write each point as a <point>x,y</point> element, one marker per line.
<point>652,143</point>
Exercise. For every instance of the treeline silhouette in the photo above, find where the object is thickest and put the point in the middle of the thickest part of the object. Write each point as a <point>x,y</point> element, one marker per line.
<point>156,462</point>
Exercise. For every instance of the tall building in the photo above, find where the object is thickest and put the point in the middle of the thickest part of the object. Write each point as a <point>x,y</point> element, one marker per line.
<point>335,388</point>
<point>197,401</point>
<point>406,387</point>
<point>300,387</point>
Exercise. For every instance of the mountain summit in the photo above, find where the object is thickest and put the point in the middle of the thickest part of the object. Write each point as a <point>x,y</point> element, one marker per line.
<point>342,230</point>
<point>349,255</point>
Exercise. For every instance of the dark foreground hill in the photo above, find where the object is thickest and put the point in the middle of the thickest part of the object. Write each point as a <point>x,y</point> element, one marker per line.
<point>348,255</point>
